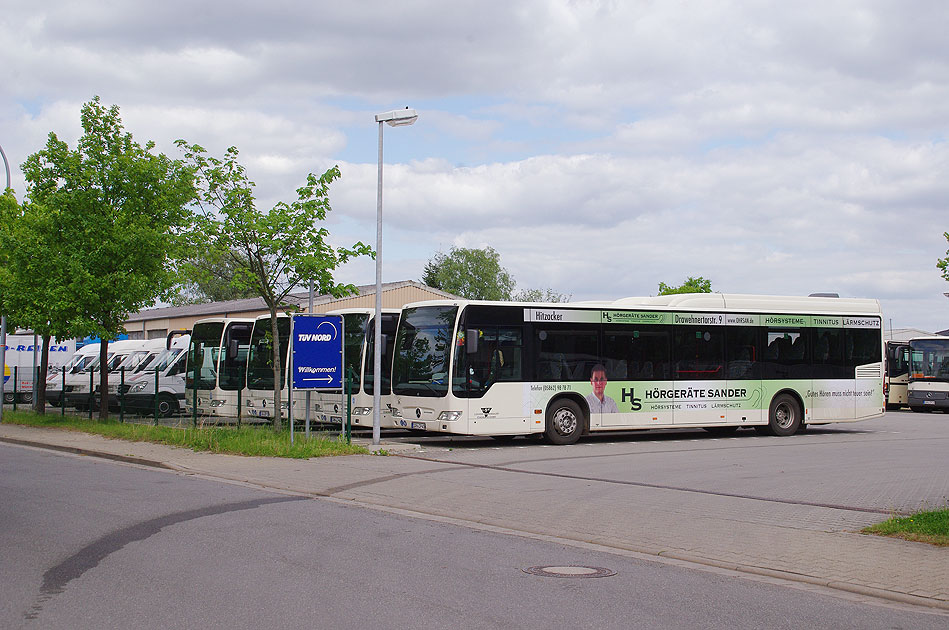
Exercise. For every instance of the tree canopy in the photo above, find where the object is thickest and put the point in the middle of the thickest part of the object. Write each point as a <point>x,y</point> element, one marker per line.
<point>270,253</point>
<point>107,217</point>
<point>477,274</point>
<point>209,277</point>
<point>691,285</point>
<point>474,274</point>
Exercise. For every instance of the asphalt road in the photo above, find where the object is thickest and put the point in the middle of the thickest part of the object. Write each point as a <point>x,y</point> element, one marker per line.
<point>86,543</point>
<point>896,463</point>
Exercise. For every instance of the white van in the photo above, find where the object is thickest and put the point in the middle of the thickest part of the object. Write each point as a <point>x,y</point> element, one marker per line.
<point>139,390</point>
<point>77,389</point>
<point>79,361</point>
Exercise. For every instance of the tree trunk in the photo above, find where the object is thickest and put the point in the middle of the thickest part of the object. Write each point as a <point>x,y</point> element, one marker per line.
<point>104,380</point>
<point>277,372</point>
<point>39,397</point>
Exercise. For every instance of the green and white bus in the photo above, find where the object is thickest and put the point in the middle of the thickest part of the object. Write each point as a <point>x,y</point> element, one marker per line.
<point>359,324</point>
<point>928,386</point>
<point>695,360</point>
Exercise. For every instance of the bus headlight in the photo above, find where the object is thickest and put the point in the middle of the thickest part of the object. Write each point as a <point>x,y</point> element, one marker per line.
<point>362,411</point>
<point>218,403</point>
<point>449,416</point>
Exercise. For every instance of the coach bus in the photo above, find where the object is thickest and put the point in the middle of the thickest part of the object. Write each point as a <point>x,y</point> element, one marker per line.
<point>258,398</point>
<point>896,374</point>
<point>359,344</point>
<point>695,360</point>
<point>928,386</point>
<point>217,360</point>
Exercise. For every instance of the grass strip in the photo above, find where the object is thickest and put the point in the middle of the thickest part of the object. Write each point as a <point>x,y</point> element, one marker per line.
<point>931,527</point>
<point>246,440</point>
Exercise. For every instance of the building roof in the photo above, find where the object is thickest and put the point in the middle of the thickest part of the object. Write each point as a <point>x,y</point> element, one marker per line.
<point>250,305</point>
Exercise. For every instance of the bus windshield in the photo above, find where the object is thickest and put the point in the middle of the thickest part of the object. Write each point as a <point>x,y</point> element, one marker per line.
<point>355,326</point>
<point>423,345</point>
<point>929,359</point>
<point>203,357</point>
<point>260,357</point>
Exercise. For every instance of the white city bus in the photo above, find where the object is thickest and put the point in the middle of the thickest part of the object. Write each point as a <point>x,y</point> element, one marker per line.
<point>217,360</point>
<point>696,360</point>
<point>358,323</point>
<point>897,374</point>
<point>928,386</point>
<point>258,399</point>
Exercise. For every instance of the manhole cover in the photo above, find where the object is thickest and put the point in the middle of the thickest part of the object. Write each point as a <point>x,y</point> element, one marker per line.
<point>570,571</point>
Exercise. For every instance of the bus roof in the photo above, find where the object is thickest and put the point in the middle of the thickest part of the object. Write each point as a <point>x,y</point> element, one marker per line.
<point>701,302</point>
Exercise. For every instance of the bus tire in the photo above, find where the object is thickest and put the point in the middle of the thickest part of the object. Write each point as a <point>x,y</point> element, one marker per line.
<point>565,422</point>
<point>784,416</point>
<point>167,406</point>
<point>26,397</point>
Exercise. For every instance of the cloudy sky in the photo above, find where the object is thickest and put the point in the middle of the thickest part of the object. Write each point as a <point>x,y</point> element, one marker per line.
<point>599,146</point>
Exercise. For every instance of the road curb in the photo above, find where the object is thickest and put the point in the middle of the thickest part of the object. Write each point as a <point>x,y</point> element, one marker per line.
<point>75,450</point>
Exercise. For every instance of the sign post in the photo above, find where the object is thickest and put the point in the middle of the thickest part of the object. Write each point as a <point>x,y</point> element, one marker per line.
<point>316,346</point>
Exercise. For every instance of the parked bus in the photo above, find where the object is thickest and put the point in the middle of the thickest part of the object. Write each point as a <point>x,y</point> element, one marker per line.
<point>258,392</point>
<point>897,374</point>
<point>696,360</point>
<point>928,386</point>
<point>217,360</point>
<point>359,344</point>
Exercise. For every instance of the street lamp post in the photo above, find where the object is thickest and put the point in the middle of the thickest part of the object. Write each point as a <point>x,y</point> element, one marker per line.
<point>395,118</point>
<point>3,318</point>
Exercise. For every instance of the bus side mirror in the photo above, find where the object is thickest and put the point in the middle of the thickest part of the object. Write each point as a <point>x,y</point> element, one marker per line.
<point>383,345</point>
<point>232,348</point>
<point>471,341</point>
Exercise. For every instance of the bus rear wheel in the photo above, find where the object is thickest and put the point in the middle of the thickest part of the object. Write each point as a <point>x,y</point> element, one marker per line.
<point>564,422</point>
<point>784,416</point>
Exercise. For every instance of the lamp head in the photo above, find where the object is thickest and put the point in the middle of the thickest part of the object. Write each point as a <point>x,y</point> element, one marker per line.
<point>398,117</point>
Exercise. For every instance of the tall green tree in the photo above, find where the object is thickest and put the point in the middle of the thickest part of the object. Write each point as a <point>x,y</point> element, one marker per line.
<point>691,285</point>
<point>32,278</point>
<point>208,276</point>
<point>474,274</point>
<point>119,210</point>
<point>270,252</point>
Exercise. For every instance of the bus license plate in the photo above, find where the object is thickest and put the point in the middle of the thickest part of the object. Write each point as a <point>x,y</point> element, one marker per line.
<point>929,402</point>
<point>418,425</point>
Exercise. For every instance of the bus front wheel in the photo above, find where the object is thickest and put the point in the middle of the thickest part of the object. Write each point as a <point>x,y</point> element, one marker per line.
<point>564,422</point>
<point>167,405</point>
<point>784,416</point>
